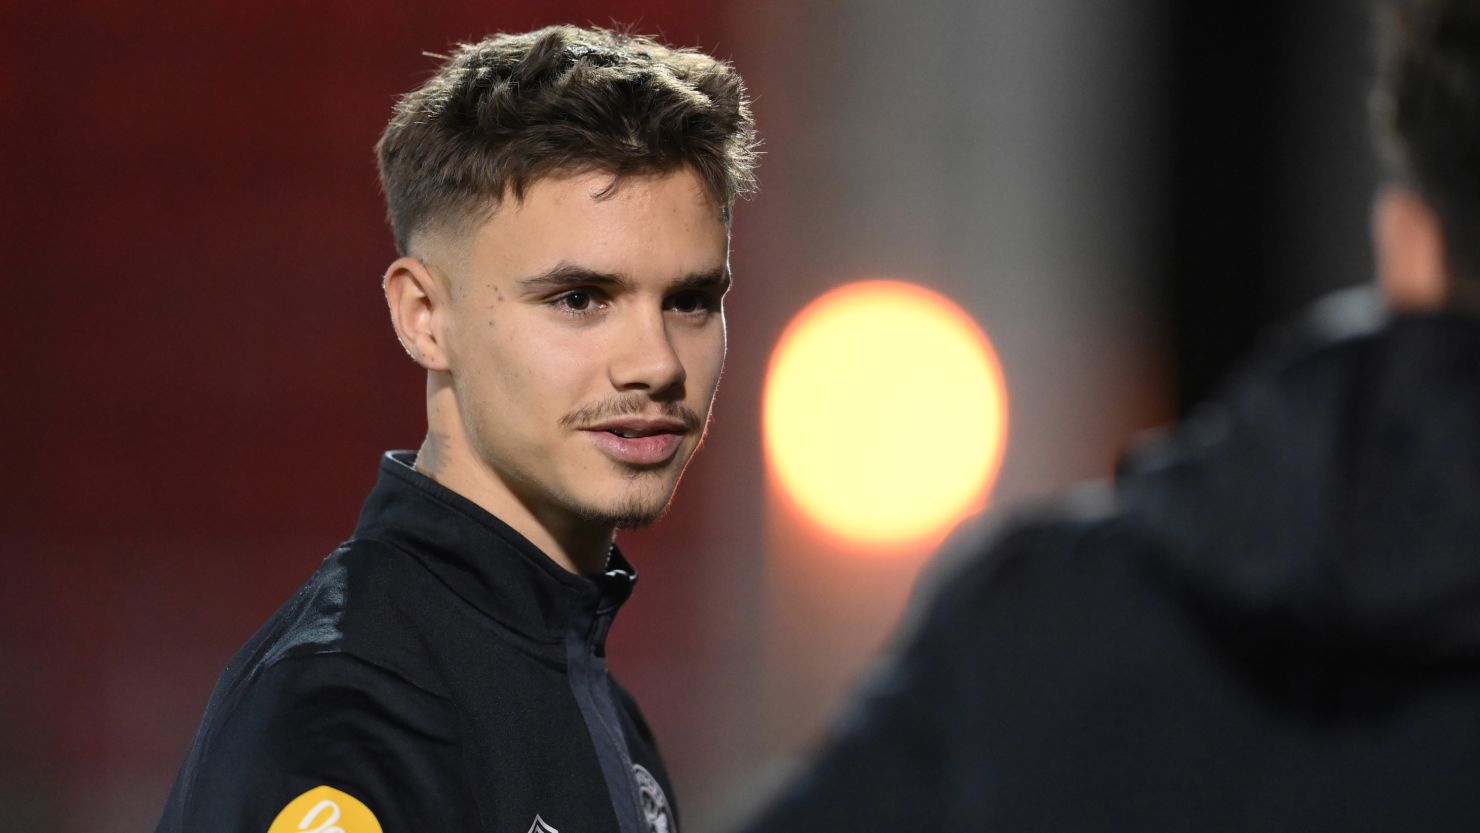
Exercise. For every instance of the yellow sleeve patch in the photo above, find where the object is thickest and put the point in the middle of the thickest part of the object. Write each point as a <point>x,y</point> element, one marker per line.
<point>325,810</point>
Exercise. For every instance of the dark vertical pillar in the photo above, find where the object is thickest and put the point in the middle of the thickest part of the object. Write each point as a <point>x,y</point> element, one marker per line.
<point>1270,171</point>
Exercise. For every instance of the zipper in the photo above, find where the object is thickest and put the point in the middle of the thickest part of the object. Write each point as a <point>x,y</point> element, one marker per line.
<point>592,689</point>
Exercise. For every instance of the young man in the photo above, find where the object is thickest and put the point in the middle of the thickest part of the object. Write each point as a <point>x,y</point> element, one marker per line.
<point>1271,620</point>
<point>561,204</point>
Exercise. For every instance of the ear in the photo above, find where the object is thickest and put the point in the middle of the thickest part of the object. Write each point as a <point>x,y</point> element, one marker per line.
<point>417,301</point>
<point>1410,250</point>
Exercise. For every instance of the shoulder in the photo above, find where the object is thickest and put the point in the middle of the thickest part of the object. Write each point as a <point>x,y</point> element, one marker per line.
<point>341,690</point>
<point>367,603</point>
<point>1048,581</point>
<point>334,692</point>
<point>1081,532</point>
<point>305,709</point>
<point>1066,594</point>
<point>312,720</point>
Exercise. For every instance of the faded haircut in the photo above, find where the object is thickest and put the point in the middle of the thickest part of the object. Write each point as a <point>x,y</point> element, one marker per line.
<point>1426,109</point>
<point>510,109</point>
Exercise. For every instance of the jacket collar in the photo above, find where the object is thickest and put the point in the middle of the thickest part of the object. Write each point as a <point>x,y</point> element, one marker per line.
<point>486,563</point>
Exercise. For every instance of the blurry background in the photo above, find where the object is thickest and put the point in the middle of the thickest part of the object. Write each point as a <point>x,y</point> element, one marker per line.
<point>199,375</point>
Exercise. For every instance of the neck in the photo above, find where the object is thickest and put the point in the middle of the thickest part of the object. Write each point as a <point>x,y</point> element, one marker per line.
<point>576,545</point>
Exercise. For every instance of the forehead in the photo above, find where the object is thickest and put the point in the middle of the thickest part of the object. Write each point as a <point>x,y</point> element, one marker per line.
<point>600,196</point>
<point>661,222</point>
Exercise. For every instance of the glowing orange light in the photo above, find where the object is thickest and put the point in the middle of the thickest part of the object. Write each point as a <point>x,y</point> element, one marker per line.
<point>885,413</point>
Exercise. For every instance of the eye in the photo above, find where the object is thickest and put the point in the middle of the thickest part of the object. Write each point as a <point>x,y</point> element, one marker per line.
<point>576,302</point>
<point>691,303</point>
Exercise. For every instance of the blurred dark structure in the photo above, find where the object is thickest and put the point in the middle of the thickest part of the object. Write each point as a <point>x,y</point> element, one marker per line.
<point>1270,172</point>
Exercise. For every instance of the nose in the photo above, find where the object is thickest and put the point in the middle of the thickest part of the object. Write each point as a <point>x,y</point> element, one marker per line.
<point>645,360</point>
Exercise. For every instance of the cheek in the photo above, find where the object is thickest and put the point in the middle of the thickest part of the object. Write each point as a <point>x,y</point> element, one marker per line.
<point>705,359</point>
<point>492,369</point>
<point>525,367</point>
<point>547,375</point>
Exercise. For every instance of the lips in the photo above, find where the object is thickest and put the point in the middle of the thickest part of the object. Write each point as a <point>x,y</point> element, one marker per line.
<point>638,442</point>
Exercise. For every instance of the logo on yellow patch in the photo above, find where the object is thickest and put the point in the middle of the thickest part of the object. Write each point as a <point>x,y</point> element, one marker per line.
<point>325,810</point>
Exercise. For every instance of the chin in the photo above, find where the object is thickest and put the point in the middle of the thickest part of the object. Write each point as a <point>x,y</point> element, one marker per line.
<point>625,516</point>
<point>631,510</point>
<point>636,520</point>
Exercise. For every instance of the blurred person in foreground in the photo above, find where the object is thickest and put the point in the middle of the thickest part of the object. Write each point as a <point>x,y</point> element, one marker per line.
<point>561,206</point>
<point>1271,619</point>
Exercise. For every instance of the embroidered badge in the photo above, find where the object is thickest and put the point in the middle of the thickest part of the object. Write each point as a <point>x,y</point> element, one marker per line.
<point>325,810</point>
<point>654,802</point>
<point>540,826</point>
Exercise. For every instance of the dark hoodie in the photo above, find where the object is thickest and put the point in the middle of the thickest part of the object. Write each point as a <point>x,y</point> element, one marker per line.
<point>1270,621</point>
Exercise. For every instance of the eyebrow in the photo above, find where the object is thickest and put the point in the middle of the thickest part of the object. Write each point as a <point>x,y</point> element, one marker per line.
<point>716,279</point>
<point>570,275</point>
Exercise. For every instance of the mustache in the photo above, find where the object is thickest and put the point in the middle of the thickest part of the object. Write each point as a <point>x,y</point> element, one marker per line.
<point>628,406</point>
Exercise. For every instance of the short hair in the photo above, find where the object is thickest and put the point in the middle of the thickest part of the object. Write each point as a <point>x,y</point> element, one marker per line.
<point>510,109</point>
<point>1426,107</point>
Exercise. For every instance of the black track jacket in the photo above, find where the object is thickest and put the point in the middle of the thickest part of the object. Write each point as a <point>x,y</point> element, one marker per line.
<point>1269,622</point>
<point>437,672</point>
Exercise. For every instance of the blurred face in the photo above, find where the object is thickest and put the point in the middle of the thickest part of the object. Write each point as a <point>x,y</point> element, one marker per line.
<point>585,343</point>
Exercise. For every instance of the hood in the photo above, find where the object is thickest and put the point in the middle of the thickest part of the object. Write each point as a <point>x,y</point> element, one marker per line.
<point>1333,496</point>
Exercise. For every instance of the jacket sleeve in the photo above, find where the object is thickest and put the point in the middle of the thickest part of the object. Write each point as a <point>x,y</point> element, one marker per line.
<point>317,728</point>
